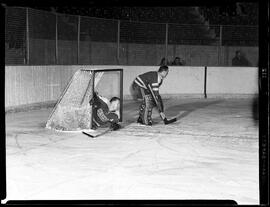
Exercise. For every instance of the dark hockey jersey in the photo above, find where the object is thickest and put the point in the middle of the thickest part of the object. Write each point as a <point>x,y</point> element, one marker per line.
<point>152,78</point>
<point>101,114</point>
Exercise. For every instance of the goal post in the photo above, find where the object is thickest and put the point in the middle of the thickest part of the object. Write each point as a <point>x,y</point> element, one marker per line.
<point>73,111</point>
<point>114,76</point>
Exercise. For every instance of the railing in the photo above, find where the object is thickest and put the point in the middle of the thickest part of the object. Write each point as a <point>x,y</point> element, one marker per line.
<point>37,37</point>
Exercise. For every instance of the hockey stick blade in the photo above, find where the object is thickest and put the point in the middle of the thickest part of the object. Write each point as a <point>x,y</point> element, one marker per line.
<point>166,121</point>
<point>90,135</point>
<point>96,135</point>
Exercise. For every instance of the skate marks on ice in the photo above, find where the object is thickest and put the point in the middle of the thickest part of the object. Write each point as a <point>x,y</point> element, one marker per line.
<point>24,141</point>
<point>158,128</point>
<point>176,161</point>
<point>172,110</point>
<point>131,128</point>
<point>190,107</point>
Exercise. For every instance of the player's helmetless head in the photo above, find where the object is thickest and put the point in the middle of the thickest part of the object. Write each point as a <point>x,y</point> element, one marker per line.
<point>163,71</point>
<point>115,104</point>
<point>177,60</point>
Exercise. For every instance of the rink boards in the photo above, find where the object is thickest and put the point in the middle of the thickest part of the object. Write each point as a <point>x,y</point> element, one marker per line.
<point>35,85</point>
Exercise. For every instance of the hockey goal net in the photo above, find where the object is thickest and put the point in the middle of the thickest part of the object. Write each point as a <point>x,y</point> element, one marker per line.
<point>73,111</point>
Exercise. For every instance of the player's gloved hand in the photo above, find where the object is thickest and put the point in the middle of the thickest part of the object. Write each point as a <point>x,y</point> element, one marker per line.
<point>115,126</point>
<point>162,115</point>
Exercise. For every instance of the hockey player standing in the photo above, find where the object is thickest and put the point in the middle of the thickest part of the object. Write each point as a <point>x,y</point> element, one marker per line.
<point>105,112</point>
<point>154,79</point>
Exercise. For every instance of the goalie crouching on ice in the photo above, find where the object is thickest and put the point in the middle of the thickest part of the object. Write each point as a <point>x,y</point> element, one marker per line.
<point>140,85</point>
<point>105,112</point>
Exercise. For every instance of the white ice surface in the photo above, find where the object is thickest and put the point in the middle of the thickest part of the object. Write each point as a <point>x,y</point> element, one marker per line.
<point>211,152</point>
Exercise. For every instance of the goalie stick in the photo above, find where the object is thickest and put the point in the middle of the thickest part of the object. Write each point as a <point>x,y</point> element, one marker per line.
<point>162,115</point>
<point>97,135</point>
<point>103,132</point>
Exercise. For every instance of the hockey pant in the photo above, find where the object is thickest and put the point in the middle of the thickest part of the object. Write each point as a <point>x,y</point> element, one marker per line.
<point>146,107</point>
<point>135,91</point>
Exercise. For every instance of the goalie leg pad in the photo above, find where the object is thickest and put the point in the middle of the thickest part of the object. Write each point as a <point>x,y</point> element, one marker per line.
<point>146,108</point>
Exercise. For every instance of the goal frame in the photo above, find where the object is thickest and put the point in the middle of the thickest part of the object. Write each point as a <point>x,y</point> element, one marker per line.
<point>61,113</point>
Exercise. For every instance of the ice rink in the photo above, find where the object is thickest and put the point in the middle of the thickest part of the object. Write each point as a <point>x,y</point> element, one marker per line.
<point>211,152</point>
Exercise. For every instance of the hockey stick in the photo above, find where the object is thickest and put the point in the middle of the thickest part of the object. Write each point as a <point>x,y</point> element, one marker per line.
<point>102,133</point>
<point>162,115</point>
<point>97,135</point>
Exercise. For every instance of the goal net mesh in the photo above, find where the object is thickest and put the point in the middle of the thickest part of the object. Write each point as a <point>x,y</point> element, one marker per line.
<point>73,111</point>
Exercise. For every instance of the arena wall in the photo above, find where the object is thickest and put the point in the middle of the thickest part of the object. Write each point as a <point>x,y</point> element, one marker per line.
<point>35,85</point>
